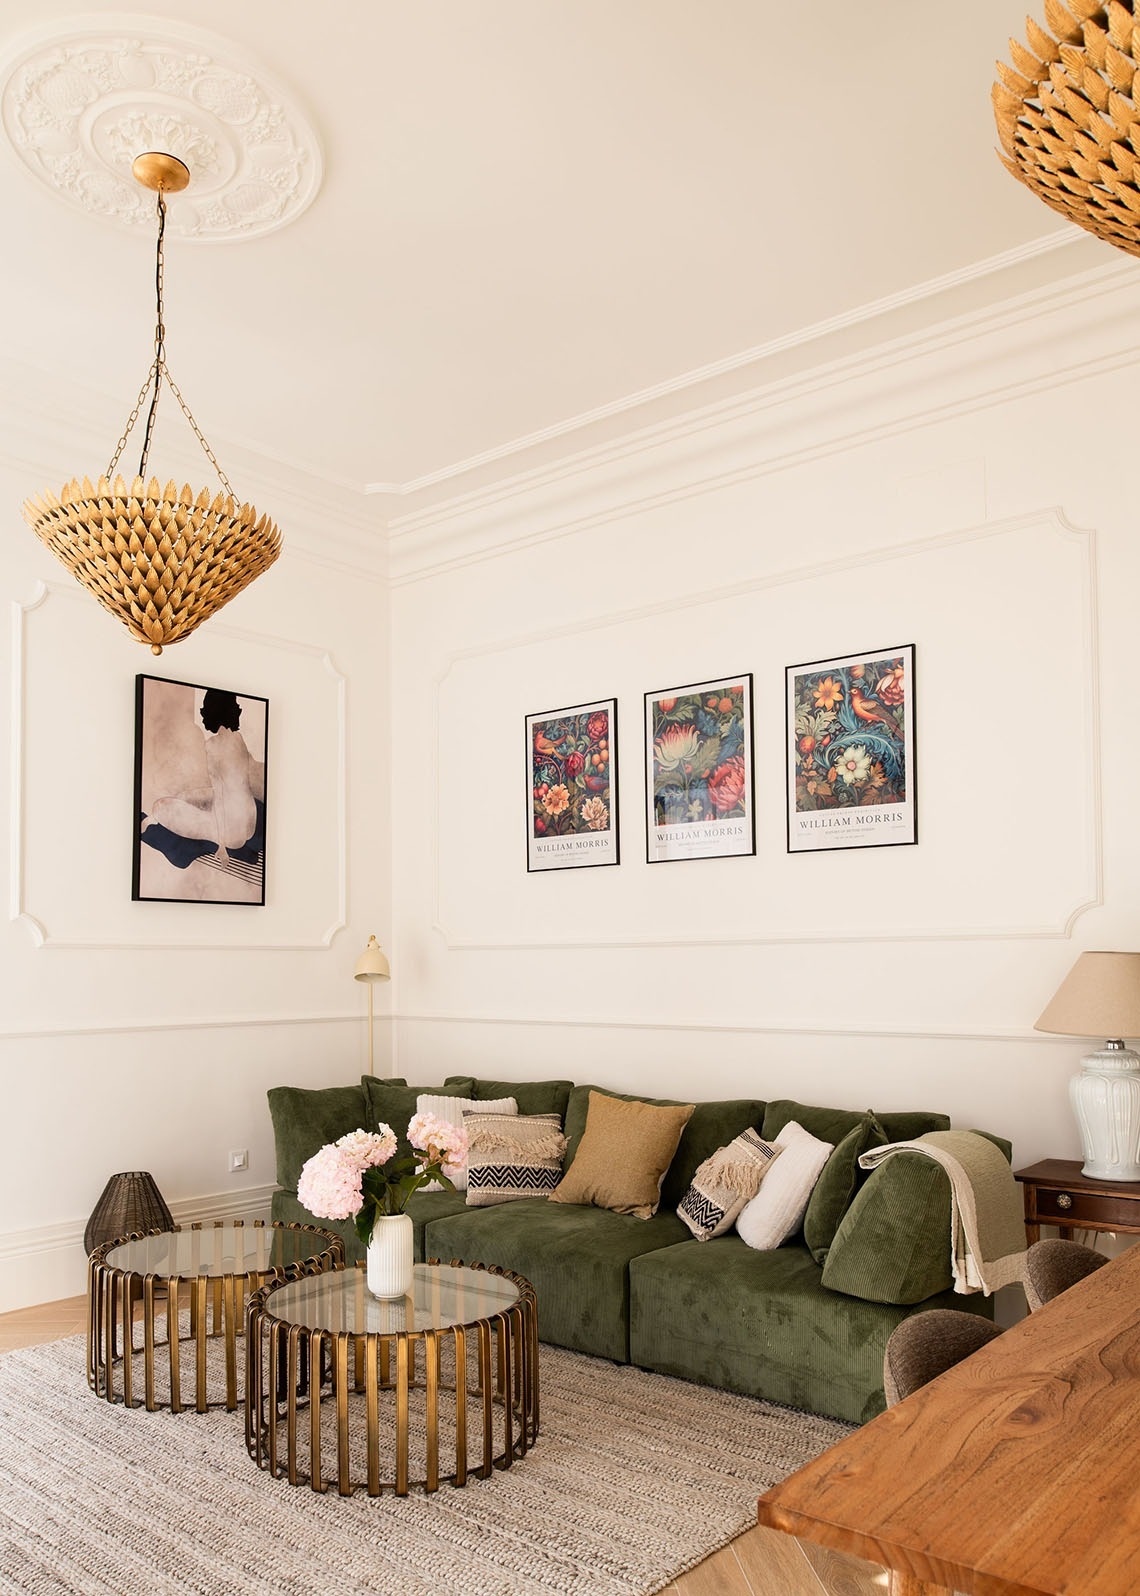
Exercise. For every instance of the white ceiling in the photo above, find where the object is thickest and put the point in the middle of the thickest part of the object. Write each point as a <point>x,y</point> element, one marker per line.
<point>533,210</point>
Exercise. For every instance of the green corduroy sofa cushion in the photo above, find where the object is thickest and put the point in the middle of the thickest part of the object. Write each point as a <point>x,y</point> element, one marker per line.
<point>724,1314</point>
<point>710,1126</point>
<point>832,1124</point>
<point>532,1097</point>
<point>393,1103</point>
<point>839,1180</point>
<point>575,1257</point>
<point>305,1118</point>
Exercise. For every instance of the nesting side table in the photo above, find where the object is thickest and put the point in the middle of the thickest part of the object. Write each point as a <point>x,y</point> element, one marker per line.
<point>145,1283</point>
<point>399,1387</point>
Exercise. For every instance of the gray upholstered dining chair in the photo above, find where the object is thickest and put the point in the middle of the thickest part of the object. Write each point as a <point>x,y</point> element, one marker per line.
<point>1053,1266</point>
<point>927,1344</point>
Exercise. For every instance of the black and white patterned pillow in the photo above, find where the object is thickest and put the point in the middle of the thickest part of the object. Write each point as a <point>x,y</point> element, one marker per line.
<point>512,1156</point>
<point>724,1183</point>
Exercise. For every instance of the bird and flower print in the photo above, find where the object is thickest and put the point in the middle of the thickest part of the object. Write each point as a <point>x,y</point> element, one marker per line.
<point>851,751</point>
<point>573,786</point>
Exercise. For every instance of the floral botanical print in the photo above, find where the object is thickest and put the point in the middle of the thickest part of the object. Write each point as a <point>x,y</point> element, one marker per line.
<point>851,751</point>
<point>572,786</point>
<point>698,758</point>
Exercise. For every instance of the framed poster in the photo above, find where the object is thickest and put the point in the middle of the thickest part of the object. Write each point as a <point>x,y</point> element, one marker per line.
<point>698,771</point>
<point>199,832</point>
<point>572,786</point>
<point>851,771</point>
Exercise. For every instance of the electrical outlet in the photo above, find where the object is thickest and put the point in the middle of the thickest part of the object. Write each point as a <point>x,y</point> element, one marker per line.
<point>239,1159</point>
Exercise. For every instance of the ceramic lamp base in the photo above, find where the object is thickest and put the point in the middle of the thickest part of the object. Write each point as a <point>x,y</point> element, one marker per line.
<point>1106,1101</point>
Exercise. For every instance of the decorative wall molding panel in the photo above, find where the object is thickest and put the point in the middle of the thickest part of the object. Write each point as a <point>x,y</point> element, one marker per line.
<point>165,1027</point>
<point>73,746</point>
<point>983,831</point>
<point>85,95</point>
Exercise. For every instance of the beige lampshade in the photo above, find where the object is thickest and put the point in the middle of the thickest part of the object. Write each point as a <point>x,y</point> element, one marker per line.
<point>372,965</point>
<point>1100,996</point>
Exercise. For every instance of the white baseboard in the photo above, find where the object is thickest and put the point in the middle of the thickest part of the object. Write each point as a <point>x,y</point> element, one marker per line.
<point>49,1263</point>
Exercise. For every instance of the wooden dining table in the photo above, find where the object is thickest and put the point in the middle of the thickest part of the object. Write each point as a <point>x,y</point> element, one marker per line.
<point>1016,1473</point>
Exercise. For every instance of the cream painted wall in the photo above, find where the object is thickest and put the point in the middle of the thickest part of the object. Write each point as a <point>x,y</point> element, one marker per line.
<point>970,492</point>
<point>145,1035</point>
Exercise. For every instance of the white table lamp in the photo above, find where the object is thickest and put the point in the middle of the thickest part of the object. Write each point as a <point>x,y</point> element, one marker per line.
<point>1100,996</point>
<point>371,967</point>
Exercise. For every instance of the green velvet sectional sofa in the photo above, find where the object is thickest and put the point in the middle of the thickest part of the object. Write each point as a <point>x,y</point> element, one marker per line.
<point>804,1324</point>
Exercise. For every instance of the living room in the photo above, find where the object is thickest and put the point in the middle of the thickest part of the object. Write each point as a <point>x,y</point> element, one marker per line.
<point>761,359</point>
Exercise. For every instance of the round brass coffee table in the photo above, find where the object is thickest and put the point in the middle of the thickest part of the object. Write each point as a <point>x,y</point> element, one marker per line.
<point>449,1370</point>
<point>140,1285</point>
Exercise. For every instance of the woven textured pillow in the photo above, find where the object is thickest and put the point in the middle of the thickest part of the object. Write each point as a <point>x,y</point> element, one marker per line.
<point>452,1109</point>
<point>625,1150</point>
<point>777,1210</point>
<point>724,1183</point>
<point>512,1156</point>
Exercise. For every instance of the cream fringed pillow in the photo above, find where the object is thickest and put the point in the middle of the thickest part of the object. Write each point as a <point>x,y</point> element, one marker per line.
<point>512,1156</point>
<point>623,1155</point>
<point>724,1183</point>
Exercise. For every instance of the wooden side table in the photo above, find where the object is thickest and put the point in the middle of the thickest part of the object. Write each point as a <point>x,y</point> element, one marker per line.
<point>1056,1193</point>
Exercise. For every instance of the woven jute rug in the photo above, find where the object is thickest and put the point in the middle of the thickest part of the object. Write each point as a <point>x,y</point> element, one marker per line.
<point>634,1478</point>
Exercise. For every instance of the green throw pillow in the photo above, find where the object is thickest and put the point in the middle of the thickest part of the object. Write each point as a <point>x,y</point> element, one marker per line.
<point>305,1118</point>
<point>893,1243</point>
<point>835,1189</point>
<point>393,1102</point>
<point>532,1097</point>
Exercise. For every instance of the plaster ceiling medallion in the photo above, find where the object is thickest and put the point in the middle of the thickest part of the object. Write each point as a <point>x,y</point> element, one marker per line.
<point>80,99</point>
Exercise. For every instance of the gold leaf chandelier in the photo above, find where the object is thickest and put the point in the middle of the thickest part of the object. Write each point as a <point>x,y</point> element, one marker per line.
<point>161,560</point>
<point>1068,115</point>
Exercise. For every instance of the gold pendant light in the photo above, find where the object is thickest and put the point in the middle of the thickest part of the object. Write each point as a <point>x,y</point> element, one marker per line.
<point>1068,115</point>
<point>161,560</point>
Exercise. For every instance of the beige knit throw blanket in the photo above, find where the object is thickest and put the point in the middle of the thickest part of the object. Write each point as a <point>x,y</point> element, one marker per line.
<point>987,1224</point>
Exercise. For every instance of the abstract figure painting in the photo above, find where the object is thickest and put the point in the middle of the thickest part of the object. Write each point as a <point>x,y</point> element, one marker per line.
<point>572,786</point>
<point>698,771</point>
<point>199,794</point>
<point>851,751</point>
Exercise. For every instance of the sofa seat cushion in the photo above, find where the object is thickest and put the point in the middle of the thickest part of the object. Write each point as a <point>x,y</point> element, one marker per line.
<point>576,1258</point>
<point>762,1323</point>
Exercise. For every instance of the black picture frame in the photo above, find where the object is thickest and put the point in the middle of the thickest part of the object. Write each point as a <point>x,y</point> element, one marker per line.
<point>573,821</point>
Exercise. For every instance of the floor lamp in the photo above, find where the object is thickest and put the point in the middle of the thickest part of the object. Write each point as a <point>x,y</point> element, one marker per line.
<point>371,967</point>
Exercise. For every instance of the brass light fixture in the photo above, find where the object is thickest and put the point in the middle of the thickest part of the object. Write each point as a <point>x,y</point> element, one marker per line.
<point>160,560</point>
<point>1068,115</point>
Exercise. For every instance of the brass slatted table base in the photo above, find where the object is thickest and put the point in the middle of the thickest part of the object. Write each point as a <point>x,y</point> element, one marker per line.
<point>137,1288</point>
<point>439,1386</point>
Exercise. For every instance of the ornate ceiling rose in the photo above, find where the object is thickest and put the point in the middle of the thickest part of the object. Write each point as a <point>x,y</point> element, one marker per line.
<point>80,98</point>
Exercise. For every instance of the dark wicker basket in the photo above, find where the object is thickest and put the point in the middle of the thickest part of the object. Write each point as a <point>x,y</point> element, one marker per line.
<point>131,1205</point>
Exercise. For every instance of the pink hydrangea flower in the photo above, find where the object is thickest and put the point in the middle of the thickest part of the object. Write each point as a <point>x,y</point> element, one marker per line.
<point>330,1182</point>
<point>443,1143</point>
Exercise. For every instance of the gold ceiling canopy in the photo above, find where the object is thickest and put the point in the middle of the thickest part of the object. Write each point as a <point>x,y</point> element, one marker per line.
<point>1068,115</point>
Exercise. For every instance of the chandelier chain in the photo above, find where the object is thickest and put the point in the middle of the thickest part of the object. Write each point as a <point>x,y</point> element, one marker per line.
<point>158,372</point>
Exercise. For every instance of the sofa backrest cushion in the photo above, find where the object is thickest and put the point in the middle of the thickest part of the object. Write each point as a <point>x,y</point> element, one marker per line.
<point>533,1097</point>
<point>393,1102</point>
<point>305,1118</point>
<point>832,1124</point>
<point>893,1243</point>
<point>712,1125</point>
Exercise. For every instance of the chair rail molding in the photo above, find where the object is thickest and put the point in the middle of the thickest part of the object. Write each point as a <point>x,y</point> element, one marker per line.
<point>21,910</point>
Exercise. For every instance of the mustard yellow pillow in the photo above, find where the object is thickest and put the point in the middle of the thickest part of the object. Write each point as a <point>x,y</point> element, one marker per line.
<point>623,1155</point>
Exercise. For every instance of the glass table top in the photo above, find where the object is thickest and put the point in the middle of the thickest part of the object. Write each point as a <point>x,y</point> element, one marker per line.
<point>216,1250</point>
<point>441,1296</point>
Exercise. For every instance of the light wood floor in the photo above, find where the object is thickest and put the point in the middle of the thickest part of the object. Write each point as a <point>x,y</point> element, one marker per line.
<point>758,1563</point>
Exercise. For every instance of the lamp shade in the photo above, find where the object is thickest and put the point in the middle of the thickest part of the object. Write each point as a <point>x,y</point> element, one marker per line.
<point>131,1205</point>
<point>1100,996</point>
<point>372,965</point>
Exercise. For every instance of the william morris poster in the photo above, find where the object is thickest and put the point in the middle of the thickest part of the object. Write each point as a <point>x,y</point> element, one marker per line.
<point>851,751</point>
<point>572,760</point>
<point>698,770</point>
<point>199,793</point>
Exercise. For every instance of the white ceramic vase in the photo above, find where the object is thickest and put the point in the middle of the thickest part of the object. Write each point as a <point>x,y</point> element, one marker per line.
<point>391,1255</point>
